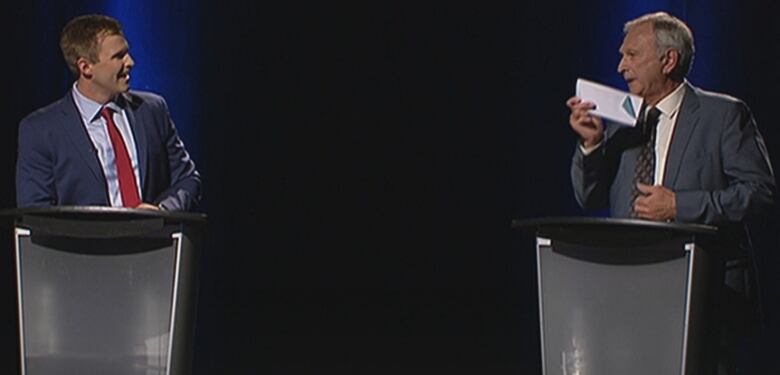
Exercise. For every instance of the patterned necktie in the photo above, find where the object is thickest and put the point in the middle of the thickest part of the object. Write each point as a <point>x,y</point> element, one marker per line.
<point>644,171</point>
<point>124,167</point>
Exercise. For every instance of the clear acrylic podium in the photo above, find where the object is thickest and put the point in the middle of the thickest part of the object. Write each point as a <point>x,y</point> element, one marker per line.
<point>106,290</point>
<point>619,296</point>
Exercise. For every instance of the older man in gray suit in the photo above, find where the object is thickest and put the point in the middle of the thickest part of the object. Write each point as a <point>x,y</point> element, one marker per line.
<point>694,156</point>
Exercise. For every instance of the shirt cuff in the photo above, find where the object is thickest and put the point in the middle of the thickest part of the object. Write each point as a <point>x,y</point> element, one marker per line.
<point>588,150</point>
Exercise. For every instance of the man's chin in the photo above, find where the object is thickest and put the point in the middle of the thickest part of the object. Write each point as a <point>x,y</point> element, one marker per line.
<point>634,88</point>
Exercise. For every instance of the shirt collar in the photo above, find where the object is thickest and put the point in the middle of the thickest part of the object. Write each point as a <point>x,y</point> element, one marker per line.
<point>88,108</point>
<point>671,103</point>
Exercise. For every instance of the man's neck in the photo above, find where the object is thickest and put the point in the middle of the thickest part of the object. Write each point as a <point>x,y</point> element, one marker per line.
<point>668,87</point>
<point>91,92</point>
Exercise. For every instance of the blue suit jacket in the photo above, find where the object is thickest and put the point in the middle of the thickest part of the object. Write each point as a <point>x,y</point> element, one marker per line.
<point>58,165</point>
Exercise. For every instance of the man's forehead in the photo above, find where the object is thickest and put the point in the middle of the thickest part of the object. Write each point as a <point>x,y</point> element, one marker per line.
<point>642,30</point>
<point>111,44</point>
<point>638,36</point>
<point>103,35</point>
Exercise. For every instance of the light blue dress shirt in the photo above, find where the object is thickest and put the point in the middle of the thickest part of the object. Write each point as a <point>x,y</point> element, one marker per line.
<point>96,128</point>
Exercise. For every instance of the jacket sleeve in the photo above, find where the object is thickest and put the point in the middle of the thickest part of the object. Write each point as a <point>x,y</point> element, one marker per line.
<point>34,168</point>
<point>590,184</point>
<point>184,191</point>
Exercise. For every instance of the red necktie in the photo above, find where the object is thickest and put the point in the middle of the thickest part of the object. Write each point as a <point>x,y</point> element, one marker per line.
<point>124,167</point>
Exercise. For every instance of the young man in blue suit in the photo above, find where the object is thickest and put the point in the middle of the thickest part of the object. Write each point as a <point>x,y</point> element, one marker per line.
<point>103,144</point>
<point>699,157</point>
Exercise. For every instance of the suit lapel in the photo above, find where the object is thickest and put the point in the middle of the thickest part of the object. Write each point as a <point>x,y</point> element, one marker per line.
<point>139,135</point>
<point>74,128</point>
<point>687,120</point>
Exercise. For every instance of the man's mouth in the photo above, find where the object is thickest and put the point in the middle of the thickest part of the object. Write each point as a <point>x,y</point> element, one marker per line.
<point>125,76</point>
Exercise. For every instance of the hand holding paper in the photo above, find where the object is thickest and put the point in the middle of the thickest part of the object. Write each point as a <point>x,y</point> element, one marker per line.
<point>590,128</point>
<point>612,104</point>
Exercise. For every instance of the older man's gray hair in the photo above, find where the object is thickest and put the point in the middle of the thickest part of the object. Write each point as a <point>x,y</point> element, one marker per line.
<point>670,33</point>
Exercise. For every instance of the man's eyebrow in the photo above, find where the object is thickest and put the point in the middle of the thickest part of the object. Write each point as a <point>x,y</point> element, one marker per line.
<point>121,52</point>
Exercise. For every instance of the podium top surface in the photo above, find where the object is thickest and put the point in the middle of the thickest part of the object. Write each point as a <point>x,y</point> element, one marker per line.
<point>103,213</point>
<point>612,224</point>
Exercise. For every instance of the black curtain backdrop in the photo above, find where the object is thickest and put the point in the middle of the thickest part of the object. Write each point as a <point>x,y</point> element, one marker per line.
<point>362,163</point>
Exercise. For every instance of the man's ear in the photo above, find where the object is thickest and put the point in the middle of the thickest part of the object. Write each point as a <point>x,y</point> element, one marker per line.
<point>85,67</point>
<point>670,60</point>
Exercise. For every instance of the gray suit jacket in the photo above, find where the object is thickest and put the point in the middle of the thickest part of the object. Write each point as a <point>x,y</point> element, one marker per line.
<point>717,164</point>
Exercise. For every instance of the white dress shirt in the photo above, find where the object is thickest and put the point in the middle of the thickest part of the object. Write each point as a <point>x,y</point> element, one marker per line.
<point>98,134</point>
<point>669,107</point>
